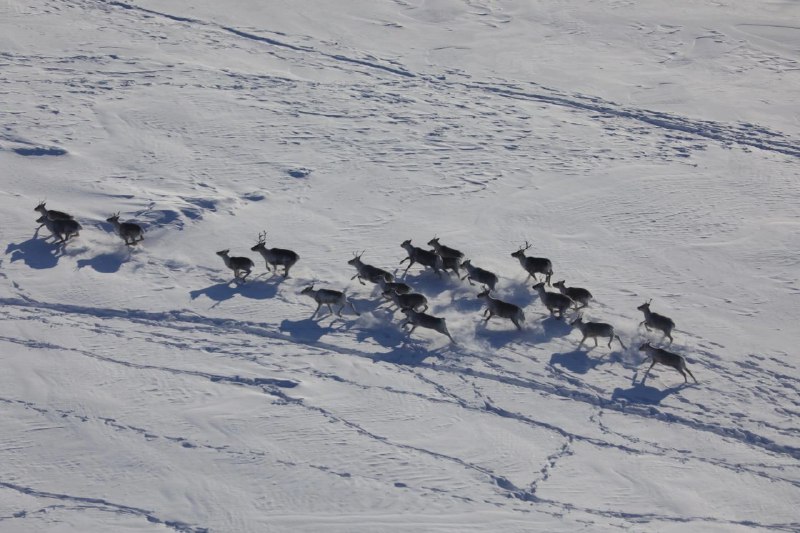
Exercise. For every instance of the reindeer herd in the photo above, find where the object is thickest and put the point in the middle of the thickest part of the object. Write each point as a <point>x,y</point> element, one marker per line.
<point>440,259</point>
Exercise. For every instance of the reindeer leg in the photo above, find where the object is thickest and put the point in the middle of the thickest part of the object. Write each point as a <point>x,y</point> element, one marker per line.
<point>316,311</point>
<point>648,370</point>
<point>620,342</point>
<point>582,341</point>
<point>690,373</point>
<point>516,323</point>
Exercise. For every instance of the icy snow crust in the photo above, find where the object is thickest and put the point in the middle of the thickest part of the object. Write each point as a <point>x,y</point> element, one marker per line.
<point>648,150</point>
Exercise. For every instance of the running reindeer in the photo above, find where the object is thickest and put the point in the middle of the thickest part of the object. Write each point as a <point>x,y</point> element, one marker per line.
<point>237,264</point>
<point>328,297</point>
<point>554,301</point>
<point>594,330</point>
<point>423,257</point>
<point>578,294</point>
<point>130,232</point>
<point>411,300</point>
<point>63,230</point>
<point>484,277</point>
<point>275,256</point>
<point>451,258</point>
<point>367,272</point>
<point>50,214</point>
<point>534,265</point>
<point>655,321</point>
<point>426,321</point>
<point>495,307</point>
<point>661,356</point>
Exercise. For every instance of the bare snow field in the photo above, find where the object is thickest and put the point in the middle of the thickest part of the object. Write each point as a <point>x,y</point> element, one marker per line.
<point>649,149</point>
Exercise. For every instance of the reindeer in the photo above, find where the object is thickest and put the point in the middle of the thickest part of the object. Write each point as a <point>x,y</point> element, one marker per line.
<point>61,229</point>
<point>534,265</point>
<point>596,329</point>
<point>445,251</point>
<point>416,318</point>
<point>656,321</point>
<point>275,256</point>
<point>553,300</point>
<point>451,263</point>
<point>237,264</point>
<point>370,273</point>
<point>129,231</point>
<point>328,297</point>
<point>423,257</point>
<point>577,294</point>
<point>51,214</point>
<point>407,301</point>
<point>659,355</point>
<point>480,275</point>
<point>397,286</point>
<point>501,309</point>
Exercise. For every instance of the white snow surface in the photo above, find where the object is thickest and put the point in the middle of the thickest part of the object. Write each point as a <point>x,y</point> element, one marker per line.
<point>650,149</point>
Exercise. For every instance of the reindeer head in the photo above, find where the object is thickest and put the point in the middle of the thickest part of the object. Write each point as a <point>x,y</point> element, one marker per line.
<point>308,290</point>
<point>484,293</point>
<point>356,258</point>
<point>405,243</point>
<point>645,307</point>
<point>41,207</point>
<point>521,252</point>
<point>434,241</point>
<point>113,218</point>
<point>223,253</point>
<point>262,239</point>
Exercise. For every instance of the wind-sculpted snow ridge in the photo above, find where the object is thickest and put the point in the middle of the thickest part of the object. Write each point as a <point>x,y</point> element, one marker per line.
<point>268,40</point>
<point>741,134</point>
<point>104,505</point>
<point>751,135</point>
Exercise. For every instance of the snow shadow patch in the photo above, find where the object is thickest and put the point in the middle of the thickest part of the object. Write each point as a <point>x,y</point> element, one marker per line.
<point>307,330</point>
<point>409,353</point>
<point>578,361</point>
<point>219,292</point>
<point>552,327</point>
<point>39,151</point>
<point>107,263</point>
<point>35,253</point>
<point>499,331</point>
<point>644,394</point>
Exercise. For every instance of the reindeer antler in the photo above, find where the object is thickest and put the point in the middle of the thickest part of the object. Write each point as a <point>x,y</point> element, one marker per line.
<point>262,237</point>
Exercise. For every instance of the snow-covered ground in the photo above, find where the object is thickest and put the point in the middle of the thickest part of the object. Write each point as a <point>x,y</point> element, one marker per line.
<point>650,149</point>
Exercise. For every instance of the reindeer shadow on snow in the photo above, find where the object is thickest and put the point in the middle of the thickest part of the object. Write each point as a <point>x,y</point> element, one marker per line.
<point>106,263</point>
<point>40,252</point>
<point>580,361</point>
<point>641,393</point>
<point>36,253</point>
<point>255,289</point>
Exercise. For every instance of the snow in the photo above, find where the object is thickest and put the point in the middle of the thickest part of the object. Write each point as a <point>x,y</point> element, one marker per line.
<point>649,151</point>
